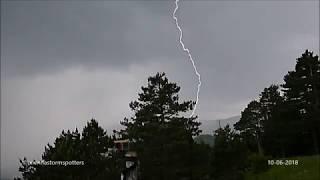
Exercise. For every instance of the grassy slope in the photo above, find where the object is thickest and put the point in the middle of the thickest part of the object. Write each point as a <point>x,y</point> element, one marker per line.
<point>308,169</point>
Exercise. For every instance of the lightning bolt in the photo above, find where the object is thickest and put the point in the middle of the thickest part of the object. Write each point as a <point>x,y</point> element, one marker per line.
<point>188,52</point>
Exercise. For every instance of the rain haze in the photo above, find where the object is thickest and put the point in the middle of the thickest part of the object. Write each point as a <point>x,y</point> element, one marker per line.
<point>65,62</point>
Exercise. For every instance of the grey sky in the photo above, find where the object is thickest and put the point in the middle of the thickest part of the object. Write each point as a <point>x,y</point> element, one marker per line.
<point>63,63</point>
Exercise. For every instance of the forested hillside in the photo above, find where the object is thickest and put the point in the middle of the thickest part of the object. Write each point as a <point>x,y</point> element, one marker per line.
<point>272,138</point>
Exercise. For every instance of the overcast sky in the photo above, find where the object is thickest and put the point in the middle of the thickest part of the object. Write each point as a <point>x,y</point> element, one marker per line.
<point>65,62</point>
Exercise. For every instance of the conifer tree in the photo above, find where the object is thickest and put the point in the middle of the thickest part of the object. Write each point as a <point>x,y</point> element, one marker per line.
<point>90,147</point>
<point>161,132</point>
<point>302,90</point>
<point>256,115</point>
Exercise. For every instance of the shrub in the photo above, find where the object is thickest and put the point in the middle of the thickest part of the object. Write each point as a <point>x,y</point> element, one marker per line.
<point>258,163</point>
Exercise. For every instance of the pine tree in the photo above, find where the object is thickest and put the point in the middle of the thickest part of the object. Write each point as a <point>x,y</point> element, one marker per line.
<point>230,155</point>
<point>162,135</point>
<point>302,90</point>
<point>270,99</point>
<point>256,115</point>
<point>90,147</point>
<point>94,144</point>
<point>250,126</point>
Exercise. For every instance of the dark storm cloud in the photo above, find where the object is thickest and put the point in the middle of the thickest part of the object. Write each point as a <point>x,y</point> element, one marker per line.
<point>47,36</point>
<point>242,47</point>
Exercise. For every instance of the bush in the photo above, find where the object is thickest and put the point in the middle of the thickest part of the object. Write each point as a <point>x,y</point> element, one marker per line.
<point>258,163</point>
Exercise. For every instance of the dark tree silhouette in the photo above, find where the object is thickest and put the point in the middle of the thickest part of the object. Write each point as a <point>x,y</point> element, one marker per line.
<point>230,155</point>
<point>250,126</point>
<point>162,135</point>
<point>302,90</point>
<point>90,147</point>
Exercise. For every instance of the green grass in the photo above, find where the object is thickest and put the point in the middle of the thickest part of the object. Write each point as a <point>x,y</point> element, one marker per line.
<point>307,169</point>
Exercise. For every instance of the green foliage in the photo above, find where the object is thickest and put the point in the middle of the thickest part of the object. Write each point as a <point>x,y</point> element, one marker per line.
<point>307,169</point>
<point>290,122</point>
<point>256,115</point>
<point>285,133</point>
<point>162,135</point>
<point>230,154</point>
<point>258,163</point>
<point>284,125</point>
<point>201,162</point>
<point>302,86</point>
<point>169,148</point>
<point>250,125</point>
<point>293,124</point>
<point>302,91</point>
<point>90,148</point>
<point>28,172</point>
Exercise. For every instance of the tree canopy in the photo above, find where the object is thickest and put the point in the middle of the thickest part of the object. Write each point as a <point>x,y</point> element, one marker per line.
<point>284,121</point>
<point>162,135</point>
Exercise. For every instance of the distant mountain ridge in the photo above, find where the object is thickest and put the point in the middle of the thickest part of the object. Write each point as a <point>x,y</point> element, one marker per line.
<point>208,126</point>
